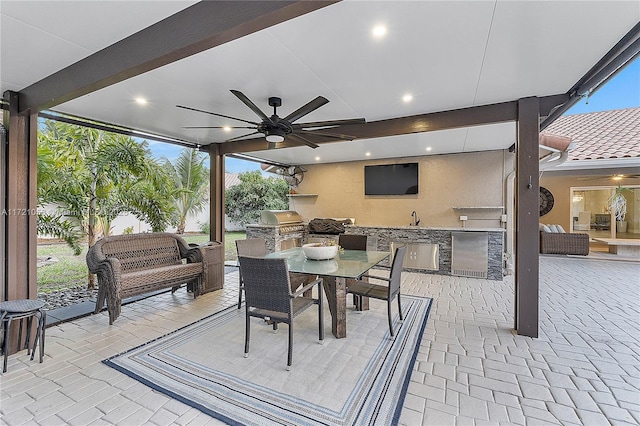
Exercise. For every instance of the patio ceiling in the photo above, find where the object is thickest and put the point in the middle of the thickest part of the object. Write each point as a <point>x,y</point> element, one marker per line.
<point>447,55</point>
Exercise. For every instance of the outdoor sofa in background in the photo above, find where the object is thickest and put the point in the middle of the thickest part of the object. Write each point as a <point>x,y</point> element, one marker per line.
<point>553,240</point>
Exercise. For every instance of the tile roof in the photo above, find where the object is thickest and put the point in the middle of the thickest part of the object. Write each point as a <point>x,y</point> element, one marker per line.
<point>601,135</point>
<point>231,179</point>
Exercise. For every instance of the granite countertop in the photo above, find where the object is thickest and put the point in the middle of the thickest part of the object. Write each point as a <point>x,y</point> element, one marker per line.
<point>417,228</point>
<point>429,228</point>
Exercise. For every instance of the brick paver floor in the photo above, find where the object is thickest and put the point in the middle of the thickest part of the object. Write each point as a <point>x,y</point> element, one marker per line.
<point>472,369</point>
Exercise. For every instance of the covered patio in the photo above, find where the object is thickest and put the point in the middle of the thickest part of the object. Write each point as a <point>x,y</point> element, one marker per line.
<point>471,367</point>
<point>486,78</point>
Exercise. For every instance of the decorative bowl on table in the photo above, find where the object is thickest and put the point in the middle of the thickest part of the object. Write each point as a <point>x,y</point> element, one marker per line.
<point>318,251</point>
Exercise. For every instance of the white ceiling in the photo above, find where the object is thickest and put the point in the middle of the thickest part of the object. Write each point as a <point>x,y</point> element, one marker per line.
<point>447,54</point>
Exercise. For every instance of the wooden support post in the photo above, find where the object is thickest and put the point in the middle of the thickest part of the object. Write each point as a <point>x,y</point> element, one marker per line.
<point>216,200</point>
<point>527,218</point>
<point>19,209</point>
<point>20,173</point>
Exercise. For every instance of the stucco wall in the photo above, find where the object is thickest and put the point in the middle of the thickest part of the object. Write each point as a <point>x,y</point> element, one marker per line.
<point>445,181</point>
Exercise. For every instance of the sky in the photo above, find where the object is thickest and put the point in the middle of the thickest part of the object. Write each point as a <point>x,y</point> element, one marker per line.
<point>622,91</point>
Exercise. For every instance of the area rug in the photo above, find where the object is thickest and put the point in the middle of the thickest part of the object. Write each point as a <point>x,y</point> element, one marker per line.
<point>359,380</point>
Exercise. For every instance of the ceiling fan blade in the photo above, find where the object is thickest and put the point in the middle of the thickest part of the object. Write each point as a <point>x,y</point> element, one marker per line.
<point>330,123</point>
<point>243,136</point>
<point>251,105</point>
<point>216,114</point>
<point>326,135</point>
<point>306,109</point>
<point>296,136</point>
<point>217,127</point>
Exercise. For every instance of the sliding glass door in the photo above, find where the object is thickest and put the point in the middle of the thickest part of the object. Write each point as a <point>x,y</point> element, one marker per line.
<point>590,212</point>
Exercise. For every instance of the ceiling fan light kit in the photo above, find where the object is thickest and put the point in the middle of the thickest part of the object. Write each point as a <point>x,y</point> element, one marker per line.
<point>276,129</point>
<point>274,138</point>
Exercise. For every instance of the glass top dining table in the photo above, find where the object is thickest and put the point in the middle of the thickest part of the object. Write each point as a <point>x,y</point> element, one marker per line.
<point>348,264</point>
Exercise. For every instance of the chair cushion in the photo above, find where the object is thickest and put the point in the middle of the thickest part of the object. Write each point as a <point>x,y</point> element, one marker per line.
<point>299,305</point>
<point>369,290</point>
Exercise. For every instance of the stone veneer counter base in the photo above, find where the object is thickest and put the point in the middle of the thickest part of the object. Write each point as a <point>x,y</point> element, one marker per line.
<point>386,235</point>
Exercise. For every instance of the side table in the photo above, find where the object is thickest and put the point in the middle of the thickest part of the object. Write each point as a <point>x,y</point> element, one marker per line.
<point>20,310</point>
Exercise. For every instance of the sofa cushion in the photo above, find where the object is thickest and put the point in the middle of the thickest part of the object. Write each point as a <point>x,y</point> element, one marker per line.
<point>545,228</point>
<point>142,281</point>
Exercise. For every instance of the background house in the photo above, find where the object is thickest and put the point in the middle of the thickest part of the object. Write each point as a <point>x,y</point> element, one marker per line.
<point>605,153</point>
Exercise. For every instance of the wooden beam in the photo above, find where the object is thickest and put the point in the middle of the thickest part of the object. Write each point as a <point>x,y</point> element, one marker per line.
<point>527,218</point>
<point>429,122</point>
<point>197,28</point>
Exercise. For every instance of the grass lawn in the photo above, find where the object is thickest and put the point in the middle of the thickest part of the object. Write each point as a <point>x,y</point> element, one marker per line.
<point>71,270</point>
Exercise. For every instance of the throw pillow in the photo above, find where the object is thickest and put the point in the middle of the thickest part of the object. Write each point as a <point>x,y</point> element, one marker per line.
<point>546,229</point>
<point>561,229</point>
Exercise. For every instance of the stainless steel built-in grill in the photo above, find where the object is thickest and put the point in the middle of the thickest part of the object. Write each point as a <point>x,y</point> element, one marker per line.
<point>287,221</point>
<point>282,229</point>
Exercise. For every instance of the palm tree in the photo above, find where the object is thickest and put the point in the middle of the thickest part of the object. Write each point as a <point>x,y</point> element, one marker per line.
<point>54,224</point>
<point>95,175</point>
<point>190,179</point>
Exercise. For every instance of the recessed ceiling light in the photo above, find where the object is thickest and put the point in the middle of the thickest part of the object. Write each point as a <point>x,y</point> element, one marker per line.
<point>226,128</point>
<point>407,98</point>
<point>379,31</point>
<point>141,101</point>
<point>317,158</point>
<point>368,154</point>
<point>428,148</point>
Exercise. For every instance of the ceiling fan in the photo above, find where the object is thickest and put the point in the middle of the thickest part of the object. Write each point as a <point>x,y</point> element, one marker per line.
<point>276,129</point>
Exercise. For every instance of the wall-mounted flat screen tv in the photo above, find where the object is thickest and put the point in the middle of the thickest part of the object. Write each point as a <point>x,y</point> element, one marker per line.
<point>391,179</point>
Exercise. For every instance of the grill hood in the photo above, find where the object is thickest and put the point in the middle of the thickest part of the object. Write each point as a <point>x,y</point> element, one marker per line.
<point>279,217</point>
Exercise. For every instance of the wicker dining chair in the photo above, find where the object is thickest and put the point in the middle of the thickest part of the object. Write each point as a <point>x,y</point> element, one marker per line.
<point>249,247</point>
<point>387,292</point>
<point>268,296</point>
<point>256,247</point>
<point>352,241</point>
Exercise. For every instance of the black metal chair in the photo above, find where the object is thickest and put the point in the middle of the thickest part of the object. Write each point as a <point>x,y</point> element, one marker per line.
<point>352,241</point>
<point>19,310</point>
<point>257,247</point>
<point>268,295</point>
<point>382,292</point>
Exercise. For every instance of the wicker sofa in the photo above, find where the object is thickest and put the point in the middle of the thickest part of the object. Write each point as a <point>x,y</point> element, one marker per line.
<point>564,243</point>
<point>128,265</point>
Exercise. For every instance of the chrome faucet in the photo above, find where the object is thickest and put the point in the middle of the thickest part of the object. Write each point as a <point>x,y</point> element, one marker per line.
<point>416,221</point>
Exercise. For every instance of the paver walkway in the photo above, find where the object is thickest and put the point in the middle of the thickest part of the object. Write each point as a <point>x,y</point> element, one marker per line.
<point>472,368</point>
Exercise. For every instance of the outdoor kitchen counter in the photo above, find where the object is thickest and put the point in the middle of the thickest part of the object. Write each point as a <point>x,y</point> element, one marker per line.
<point>427,228</point>
<point>425,238</point>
